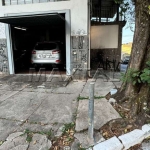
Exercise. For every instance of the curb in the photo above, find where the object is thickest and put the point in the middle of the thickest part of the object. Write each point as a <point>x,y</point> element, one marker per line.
<point>125,141</point>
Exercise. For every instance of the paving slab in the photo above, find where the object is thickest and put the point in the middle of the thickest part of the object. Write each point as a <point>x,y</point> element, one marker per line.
<point>39,88</point>
<point>17,141</point>
<point>14,86</point>
<point>118,84</point>
<point>103,113</point>
<point>72,87</point>
<point>21,105</point>
<point>7,145</point>
<point>21,147</point>
<point>101,88</point>
<point>45,87</point>
<point>7,127</point>
<point>7,78</point>
<point>39,127</point>
<point>57,108</point>
<point>40,142</point>
<point>14,135</point>
<point>83,138</point>
<point>4,94</point>
<point>75,145</point>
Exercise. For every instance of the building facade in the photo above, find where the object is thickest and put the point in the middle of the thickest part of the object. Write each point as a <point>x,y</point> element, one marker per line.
<point>84,26</point>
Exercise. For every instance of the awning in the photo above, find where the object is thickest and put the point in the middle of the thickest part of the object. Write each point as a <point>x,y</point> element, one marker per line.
<point>34,20</point>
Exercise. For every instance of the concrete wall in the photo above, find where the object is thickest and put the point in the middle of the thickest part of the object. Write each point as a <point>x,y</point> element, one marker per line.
<point>2,31</point>
<point>3,57</point>
<point>78,9</point>
<point>104,36</point>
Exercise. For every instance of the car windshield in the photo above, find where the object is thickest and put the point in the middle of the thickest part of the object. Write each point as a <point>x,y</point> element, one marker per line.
<point>45,46</point>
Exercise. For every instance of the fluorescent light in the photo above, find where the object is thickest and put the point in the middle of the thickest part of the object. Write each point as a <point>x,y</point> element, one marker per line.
<point>19,28</point>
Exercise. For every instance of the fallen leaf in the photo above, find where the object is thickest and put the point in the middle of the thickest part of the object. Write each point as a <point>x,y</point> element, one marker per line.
<point>34,142</point>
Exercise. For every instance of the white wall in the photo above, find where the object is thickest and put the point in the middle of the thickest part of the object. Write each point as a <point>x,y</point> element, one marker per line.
<point>78,8</point>
<point>2,31</point>
<point>105,36</point>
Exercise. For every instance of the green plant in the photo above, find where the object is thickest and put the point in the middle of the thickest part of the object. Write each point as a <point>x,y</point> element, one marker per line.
<point>129,76</point>
<point>81,148</point>
<point>86,98</point>
<point>29,135</point>
<point>48,133</point>
<point>145,76</point>
<point>67,127</point>
<point>99,97</point>
<point>82,98</point>
<point>137,77</point>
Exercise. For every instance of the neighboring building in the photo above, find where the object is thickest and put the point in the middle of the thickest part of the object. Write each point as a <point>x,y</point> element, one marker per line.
<point>126,48</point>
<point>84,26</point>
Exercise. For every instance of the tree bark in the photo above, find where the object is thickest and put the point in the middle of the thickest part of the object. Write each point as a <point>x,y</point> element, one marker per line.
<point>140,54</point>
<point>140,41</point>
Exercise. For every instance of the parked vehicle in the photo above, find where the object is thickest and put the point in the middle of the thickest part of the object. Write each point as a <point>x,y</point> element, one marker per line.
<point>47,53</point>
<point>126,60</point>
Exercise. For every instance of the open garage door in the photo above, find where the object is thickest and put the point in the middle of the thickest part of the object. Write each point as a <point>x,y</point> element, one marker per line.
<point>28,31</point>
<point>33,20</point>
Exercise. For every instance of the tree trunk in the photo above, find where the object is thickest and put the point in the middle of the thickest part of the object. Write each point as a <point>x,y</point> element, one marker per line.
<point>140,54</point>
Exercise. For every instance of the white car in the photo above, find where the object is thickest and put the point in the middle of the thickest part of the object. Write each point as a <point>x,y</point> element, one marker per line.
<point>46,53</point>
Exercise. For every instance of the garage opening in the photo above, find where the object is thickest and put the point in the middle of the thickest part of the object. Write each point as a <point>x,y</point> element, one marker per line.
<point>38,41</point>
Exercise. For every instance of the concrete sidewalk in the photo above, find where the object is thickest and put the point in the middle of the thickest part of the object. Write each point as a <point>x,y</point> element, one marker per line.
<point>40,106</point>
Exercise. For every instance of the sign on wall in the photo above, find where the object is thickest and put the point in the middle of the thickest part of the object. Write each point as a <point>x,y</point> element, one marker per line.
<point>104,36</point>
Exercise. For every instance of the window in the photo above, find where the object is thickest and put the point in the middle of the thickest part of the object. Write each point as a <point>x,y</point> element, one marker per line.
<point>45,46</point>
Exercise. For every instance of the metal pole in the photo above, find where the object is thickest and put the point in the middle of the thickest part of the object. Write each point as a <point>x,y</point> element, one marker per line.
<point>89,35</point>
<point>91,113</point>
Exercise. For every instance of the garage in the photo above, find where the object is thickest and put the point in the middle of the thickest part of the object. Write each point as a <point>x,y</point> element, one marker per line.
<point>29,32</point>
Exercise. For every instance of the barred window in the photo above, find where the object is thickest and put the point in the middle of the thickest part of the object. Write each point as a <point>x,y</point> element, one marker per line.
<point>19,2</point>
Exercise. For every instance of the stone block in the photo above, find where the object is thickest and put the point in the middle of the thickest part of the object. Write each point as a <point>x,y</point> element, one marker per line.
<point>111,144</point>
<point>132,138</point>
<point>146,130</point>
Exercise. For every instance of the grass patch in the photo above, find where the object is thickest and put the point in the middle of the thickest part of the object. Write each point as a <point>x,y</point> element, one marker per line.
<point>47,133</point>
<point>87,98</point>
<point>99,97</point>
<point>30,134</point>
<point>67,127</point>
<point>82,98</point>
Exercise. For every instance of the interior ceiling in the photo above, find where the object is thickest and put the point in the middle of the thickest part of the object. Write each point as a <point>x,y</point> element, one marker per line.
<point>35,20</point>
